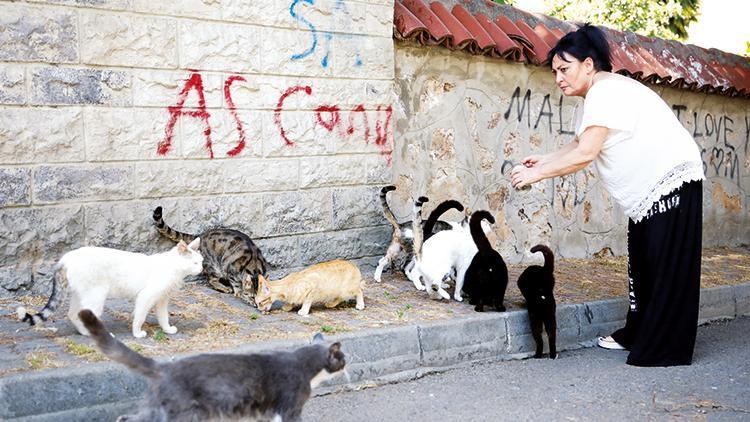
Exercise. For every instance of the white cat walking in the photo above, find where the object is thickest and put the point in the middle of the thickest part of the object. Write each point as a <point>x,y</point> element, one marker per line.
<point>92,274</point>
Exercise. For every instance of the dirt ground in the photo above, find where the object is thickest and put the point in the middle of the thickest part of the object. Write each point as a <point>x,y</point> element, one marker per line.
<point>208,320</point>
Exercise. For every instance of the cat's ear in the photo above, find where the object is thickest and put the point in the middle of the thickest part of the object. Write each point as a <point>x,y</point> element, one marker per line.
<point>335,348</point>
<point>195,244</point>
<point>182,247</point>
<point>318,338</point>
<point>263,285</point>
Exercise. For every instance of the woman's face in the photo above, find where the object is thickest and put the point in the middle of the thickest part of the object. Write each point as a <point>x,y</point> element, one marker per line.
<point>574,77</point>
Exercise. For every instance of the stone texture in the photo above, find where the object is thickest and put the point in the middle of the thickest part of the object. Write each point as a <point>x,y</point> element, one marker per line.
<point>221,47</point>
<point>31,239</point>
<point>345,94</point>
<point>297,212</point>
<point>125,225</point>
<point>125,134</point>
<point>331,171</point>
<point>41,135</point>
<point>35,34</point>
<point>116,39</point>
<point>15,186</point>
<point>717,303</point>
<point>100,4</point>
<point>305,137</point>
<point>161,88</point>
<point>264,92</point>
<point>460,340</point>
<point>280,252</point>
<point>225,135</point>
<point>261,12</point>
<point>312,53</point>
<point>261,175</point>
<point>69,183</point>
<point>359,56</point>
<point>174,178</point>
<point>742,298</point>
<point>601,317</point>
<point>201,9</point>
<point>347,244</point>
<point>12,84</point>
<point>55,85</point>
<point>357,207</point>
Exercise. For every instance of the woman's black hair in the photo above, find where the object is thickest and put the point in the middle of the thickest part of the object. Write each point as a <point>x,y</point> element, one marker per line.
<point>587,41</point>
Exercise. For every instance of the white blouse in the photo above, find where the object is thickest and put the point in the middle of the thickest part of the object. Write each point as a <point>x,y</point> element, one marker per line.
<point>647,153</point>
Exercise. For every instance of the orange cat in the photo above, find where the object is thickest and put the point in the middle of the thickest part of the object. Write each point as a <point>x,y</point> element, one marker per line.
<point>329,283</point>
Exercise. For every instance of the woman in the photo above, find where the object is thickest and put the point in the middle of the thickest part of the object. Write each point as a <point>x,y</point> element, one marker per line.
<point>652,168</point>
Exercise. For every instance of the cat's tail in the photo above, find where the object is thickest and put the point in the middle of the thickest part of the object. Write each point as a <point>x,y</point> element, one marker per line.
<point>169,232</point>
<point>418,237</point>
<point>59,285</point>
<point>549,257</point>
<point>442,207</point>
<point>477,233</point>
<point>115,349</point>
<point>387,209</point>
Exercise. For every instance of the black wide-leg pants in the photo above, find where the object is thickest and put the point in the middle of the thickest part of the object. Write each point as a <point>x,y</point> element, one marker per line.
<point>664,268</point>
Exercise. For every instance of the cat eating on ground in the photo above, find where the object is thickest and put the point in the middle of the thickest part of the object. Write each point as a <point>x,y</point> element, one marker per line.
<point>441,256</point>
<point>231,261</point>
<point>261,387</point>
<point>536,284</point>
<point>487,276</point>
<point>92,274</point>
<point>329,283</point>
<point>400,249</point>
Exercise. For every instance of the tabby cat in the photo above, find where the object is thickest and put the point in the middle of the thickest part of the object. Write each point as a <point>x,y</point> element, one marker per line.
<point>329,283</point>
<point>231,261</point>
<point>92,274</point>
<point>267,387</point>
<point>400,249</point>
<point>487,276</point>
<point>536,284</point>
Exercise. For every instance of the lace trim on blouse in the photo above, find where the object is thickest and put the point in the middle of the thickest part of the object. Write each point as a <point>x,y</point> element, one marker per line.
<point>686,172</point>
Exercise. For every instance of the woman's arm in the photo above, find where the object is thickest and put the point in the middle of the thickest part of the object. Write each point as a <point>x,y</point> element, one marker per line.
<point>567,160</point>
<point>536,158</point>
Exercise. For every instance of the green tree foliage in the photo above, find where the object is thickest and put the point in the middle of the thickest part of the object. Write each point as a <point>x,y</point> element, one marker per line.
<point>663,18</point>
<point>747,48</point>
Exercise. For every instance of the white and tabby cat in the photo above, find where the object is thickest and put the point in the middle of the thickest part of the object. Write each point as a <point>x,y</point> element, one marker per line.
<point>218,387</point>
<point>445,253</point>
<point>400,249</point>
<point>92,274</point>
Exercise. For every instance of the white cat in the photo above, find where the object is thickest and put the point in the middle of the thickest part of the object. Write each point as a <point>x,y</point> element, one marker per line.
<point>445,254</point>
<point>92,274</point>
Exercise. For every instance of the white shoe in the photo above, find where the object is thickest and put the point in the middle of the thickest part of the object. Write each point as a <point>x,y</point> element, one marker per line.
<point>609,343</point>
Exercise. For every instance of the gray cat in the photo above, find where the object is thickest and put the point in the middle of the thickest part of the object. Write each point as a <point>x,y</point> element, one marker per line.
<point>257,387</point>
<point>231,261</point>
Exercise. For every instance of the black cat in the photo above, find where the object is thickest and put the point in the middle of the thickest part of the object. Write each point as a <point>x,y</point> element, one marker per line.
<point>260,387</point>
<point>536,284</point>
<point>487,276</point>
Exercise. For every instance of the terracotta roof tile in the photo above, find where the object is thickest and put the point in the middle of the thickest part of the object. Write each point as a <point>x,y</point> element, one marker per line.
<point>461,37</point>
<point>491,30</point>
<point>504,46</point>
<point>434,25</point>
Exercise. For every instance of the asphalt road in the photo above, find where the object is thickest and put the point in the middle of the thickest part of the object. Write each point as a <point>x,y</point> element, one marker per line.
<point>588,384</point>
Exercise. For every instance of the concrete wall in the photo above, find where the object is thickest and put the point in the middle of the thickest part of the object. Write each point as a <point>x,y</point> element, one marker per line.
<point>271,116</point>
<point>462,122</point>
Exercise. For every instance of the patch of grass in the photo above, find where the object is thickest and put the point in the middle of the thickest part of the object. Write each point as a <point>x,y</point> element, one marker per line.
<point>42,360</point>
<point>82,351</point>
<point>136,347</point>
<point>160,336</point>
<point>401,312</point>
<point>219,328</point>
<point>327,329</point>
<point>254,316</point>
<point>388,295</point>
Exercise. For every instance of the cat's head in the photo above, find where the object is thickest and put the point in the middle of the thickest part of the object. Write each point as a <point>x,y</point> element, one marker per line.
<point>334,360</point>
<point>191,258</point>
<point>263,299</point>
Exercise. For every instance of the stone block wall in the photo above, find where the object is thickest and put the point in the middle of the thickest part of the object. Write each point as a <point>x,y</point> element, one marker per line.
<point>271,116</point>
<point>464,121</point>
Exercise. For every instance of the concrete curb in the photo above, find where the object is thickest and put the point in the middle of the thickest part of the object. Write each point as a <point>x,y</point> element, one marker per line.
<point>103,391</point>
